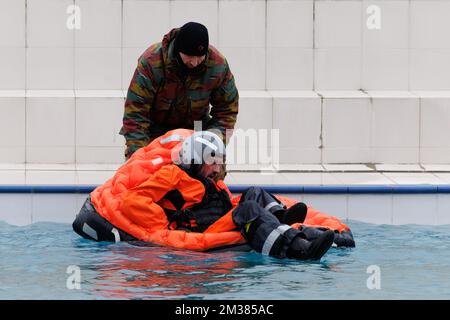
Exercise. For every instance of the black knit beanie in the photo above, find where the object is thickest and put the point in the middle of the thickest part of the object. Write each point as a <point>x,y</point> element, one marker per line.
<point>192,39</point>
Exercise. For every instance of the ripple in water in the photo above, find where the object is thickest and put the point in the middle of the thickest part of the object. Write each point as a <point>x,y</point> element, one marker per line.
<point>413,261</point>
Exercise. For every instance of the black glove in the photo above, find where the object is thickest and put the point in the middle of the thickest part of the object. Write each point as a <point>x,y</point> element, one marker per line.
<point>182,217</point>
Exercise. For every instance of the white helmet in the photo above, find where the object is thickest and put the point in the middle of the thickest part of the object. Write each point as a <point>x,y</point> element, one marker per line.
<point>200,148</point>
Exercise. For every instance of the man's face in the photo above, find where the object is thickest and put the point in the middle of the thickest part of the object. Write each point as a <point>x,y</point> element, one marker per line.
<point>210,170</point>
<point>191,61</point>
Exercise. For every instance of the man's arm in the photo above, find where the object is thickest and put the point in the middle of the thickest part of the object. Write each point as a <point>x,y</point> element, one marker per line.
<point>136,121</point>
<point>225,104</point>
<point>140,205</point>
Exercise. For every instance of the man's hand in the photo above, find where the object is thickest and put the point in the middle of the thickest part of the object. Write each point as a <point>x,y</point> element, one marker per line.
<point>182,217</point>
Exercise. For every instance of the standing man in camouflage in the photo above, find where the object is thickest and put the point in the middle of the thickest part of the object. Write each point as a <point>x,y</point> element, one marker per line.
<point>174,84</point>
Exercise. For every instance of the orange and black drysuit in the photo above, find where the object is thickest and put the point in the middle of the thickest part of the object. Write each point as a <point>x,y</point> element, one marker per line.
<point>172,198</point>
<point>193,204</point>
<point>216,202</point>
<point>153,200</point>
<point>256,217</point>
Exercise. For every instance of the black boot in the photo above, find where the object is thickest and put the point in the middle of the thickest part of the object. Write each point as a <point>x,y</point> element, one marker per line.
<point>312,233</point>
<point>302,249</point>
<point>296,213</point>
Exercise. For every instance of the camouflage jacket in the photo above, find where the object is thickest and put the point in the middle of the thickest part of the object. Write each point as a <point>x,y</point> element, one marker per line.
<point>162,96</point>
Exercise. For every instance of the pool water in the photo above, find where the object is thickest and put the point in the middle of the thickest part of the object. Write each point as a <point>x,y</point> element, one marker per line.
<point>35,260</point>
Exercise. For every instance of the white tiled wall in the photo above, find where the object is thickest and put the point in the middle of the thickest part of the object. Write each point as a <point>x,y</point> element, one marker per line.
<point>104,63</point>
<point>384,209</point>
<point>12,66</point>
<point>94,177</point>
<point>430,45</point>
<point>337,69</point>
<point>145,22</point>
<point>98,122</point>
<point>15,209</point>
<point>233,15</point>
<point>50,134</point>
<point>430,24</point>
<point>379,211</point>
<point>394,25</point>
<point>395,137</point>
<point>361,178</point>
<point>50,68</point>
<point>48,207</point>
<point>12,137</point>
<point>12,23</point>
<point>256,115</point>
<point>290,64</point>
<point>346,130</point>
<point>385,69</point>
<point>299,121</point>
<point>49,177</point>
<point>270,45</point>
<point>430,69</point>
<point>334,205</point>
<point>430,209</point>
<point>99,30</point>
<point>443,209</point>
<point>12,177</point>
<point>297,27</point>
<point>289,69</point>
<point>244,47</point>
<point>415,209</point>
<point>248,66</point>
<point>434,134</point>
<point>337,24</point>
<point>337,57</point>
<point>102,116</point>
<point>385,54</point>
<point>46,24</point>
<point>49,53</point>
<point>314,127</point>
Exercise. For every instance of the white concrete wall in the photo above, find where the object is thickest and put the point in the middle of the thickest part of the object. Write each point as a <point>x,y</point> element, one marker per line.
<point>314,127</point>
<point>61,90</point>
<point>270,44</point>
<point>425,209</point>
<point>61,126</point>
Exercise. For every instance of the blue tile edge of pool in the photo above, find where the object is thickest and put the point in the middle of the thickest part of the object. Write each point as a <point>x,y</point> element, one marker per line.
<point>307,189</point>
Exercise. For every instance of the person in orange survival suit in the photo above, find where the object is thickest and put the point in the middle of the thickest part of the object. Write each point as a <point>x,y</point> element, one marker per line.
<point>187,194</point>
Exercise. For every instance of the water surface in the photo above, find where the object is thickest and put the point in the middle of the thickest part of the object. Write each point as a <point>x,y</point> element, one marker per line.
<point>414,263</point>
